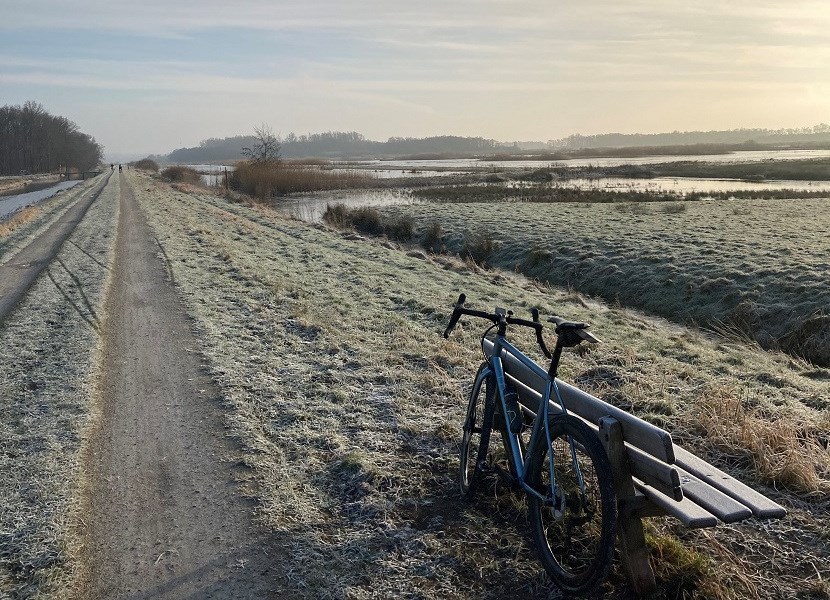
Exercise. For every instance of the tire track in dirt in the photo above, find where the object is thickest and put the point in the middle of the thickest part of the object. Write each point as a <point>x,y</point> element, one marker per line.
<point>164,516</point>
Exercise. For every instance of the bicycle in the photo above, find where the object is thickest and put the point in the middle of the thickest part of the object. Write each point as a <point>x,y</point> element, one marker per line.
<point>562,467</point>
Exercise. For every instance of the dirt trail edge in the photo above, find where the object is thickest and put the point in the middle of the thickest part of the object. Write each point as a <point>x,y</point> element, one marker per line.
<point>164,517</point>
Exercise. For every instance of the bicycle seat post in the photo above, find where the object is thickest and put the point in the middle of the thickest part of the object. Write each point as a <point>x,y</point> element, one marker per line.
<point>554,360</point>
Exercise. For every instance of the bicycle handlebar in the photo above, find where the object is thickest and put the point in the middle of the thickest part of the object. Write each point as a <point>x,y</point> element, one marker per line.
<point>496,318</point>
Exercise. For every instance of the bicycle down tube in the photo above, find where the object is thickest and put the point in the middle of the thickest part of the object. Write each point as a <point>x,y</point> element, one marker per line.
<point>518,461</point>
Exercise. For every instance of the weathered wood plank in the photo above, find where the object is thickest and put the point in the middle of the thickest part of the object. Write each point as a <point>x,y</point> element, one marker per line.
<point>633,549</point>
<point>761,506</point>
<point>713,500</point>
<point>686,511</point>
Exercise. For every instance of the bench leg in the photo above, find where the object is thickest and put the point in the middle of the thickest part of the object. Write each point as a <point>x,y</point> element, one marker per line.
<point>633,549</point>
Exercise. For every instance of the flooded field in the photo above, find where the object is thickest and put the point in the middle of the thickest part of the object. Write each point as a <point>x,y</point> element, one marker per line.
<point>684,185</point>
<point>462,164</point>
<point>311,207</point>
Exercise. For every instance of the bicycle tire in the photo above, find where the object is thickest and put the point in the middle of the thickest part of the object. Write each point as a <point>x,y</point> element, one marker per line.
<point>576,549</point>
<point>479,422</point>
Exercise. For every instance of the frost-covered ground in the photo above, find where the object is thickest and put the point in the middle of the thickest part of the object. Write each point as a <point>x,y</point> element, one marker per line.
<point>348,404</point>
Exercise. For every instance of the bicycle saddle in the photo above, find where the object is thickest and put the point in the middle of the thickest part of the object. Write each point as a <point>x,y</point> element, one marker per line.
<point>572,333</point>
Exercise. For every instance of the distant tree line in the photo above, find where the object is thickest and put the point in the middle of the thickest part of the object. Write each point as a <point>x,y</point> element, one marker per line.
<point>819,134</point>
<point>35,141</point>
<point>339,144</point>
<point>345,145</point>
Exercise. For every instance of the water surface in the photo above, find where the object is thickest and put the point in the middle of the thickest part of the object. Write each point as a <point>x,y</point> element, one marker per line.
<point>9,204</point>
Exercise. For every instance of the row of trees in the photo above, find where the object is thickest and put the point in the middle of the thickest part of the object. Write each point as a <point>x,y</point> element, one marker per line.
<point>339,144</point>
<point>804,135</point>
<point>34,141</point>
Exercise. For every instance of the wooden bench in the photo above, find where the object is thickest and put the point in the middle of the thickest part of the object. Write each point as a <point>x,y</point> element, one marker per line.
<point>652,476</point>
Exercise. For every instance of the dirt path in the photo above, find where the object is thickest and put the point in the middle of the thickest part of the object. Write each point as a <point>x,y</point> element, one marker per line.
<point>165,518</point>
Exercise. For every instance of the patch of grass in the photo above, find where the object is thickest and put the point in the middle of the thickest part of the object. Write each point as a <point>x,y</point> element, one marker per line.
<point>673,208</point>
<point>762,272</point>
<point>432,237</point>
<point>23,216</point>
<point>785,452</point>
<point>560,193</point>
<point>678,567</point>
<point>367,220</point>
<point>400,228</point>
<point>48,351</point>
<point>480,247</point>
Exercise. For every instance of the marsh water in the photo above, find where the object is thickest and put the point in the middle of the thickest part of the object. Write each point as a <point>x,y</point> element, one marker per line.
<point>310,207</point>
<point>468,163</point>
<point>684,185</point>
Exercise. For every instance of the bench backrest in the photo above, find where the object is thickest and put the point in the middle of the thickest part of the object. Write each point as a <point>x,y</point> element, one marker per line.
<point>649,438</point>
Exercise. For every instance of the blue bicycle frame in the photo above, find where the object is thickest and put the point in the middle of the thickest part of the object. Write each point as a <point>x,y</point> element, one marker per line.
<point>519,464</point>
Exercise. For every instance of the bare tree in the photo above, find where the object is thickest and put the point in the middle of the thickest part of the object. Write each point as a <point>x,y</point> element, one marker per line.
<point>265,149</point>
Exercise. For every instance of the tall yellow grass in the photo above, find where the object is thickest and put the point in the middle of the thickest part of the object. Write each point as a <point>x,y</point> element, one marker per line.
<point>785,450</point>
<point>265,180</point>
<point>20,218</point>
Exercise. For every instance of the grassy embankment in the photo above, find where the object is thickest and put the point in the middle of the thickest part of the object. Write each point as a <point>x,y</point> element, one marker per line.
<point>47,357</point>
<point>758,268</point>
<point>348,404</point>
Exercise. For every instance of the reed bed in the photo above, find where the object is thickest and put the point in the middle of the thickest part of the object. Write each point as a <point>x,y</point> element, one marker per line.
<point>265,180</point>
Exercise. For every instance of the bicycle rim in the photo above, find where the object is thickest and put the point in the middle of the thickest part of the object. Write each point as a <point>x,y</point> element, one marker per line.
<point>575,542</point>
<point>476,435</point>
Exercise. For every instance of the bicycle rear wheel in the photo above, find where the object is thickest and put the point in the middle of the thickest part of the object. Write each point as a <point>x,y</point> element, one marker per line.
<point>574,540</point>
<point>476,433</point>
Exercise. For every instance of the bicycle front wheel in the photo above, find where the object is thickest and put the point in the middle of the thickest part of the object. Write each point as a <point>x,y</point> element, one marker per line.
<point>574,529</point>
<point>476,433</point>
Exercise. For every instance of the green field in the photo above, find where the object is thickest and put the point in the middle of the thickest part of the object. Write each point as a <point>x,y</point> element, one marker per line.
<point>757,268</point>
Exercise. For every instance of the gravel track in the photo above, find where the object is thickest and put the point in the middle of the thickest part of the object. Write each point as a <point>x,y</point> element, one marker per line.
<point>165,518</point>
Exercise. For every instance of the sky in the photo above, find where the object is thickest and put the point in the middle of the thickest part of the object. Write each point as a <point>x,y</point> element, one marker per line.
<point>152,76</point>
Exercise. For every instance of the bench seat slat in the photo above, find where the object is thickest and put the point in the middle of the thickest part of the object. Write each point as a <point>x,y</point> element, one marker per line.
<point>686,511</point>
<point>645,436</point>
<point>713,500</point>
<point>761,506</point>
